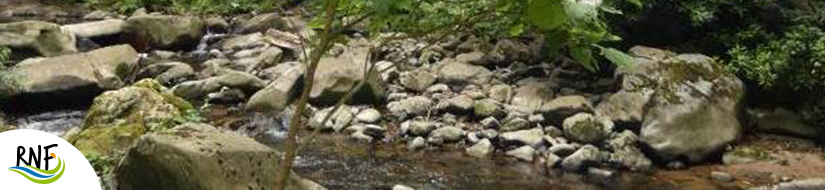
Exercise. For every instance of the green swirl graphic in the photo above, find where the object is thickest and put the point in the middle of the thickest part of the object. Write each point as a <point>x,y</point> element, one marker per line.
<point>60,167</point>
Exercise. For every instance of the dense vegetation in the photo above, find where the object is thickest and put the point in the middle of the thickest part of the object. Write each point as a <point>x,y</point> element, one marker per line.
<point>777,46</point>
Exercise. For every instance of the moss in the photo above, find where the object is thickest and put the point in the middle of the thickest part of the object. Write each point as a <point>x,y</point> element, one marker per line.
<point>109,140</point>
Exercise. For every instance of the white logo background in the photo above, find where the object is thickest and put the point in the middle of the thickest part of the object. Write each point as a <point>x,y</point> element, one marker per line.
<point>79,174</point>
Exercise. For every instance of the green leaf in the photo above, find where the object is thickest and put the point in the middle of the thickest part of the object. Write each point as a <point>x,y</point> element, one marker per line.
<point>584,55</point>
<point>555,40</point>
<point>546,14</point>
<point>618,57</point>
<point>516,30</point>
<point>579,12</point>
<point>638,3</point>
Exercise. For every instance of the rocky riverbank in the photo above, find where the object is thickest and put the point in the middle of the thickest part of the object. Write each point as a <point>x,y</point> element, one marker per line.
<point>680,117</point>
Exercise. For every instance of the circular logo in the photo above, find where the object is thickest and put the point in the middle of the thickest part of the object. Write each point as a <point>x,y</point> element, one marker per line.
<point>39,160</point>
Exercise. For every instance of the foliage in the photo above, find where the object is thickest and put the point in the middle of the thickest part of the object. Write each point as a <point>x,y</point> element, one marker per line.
<point>576,27</point>
<point>183,6</point>
<point>5,55</point>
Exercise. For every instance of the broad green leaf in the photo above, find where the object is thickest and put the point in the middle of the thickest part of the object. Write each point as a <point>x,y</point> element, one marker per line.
<point>516,30</point>
<point>618,57</point>
<point>638,3</point>
<point>546,14</point>
<point>584,55</point>
<point>580,12</point>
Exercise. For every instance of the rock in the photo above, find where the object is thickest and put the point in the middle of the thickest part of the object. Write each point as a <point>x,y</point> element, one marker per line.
<point>515,125</point>
<point>421,128</point>
<point>721,176</point>
<point>810,184</point>
<point>282,91</point>
<point>168,73</point>
<point>70,77</point>
<point>197,156</point>
<point>417,143</point>
<point>232,79</point>
<point>586,128</point>
<point>261,23</point>
<point>375,131</point>
<point>600,173</point>
<point>118,118</point>
<point>524,153</point>
<point>531,137</point>
<point>533,95</point>
<point>586,156</point>
<point>336,76</point>
<point>252,60</point>
<point>693,110</point>
<point>216,24</point>
<point>744,155</point>
<point>243,42</point>
<point>488,134</point>
<point>509,50</point>
<point>461,73</point>
<point>401,187</point>
<point>475,58</point>
<point>551,160</point>
<point>337,122</point>
<point>562,149</point>
<point>460,103</point>
<point>487,108</point>
<point>438,88</point>
<point>226,96</point>
<point>417,80</point>
<point>448,134</point>
<point>625,107</point>
<point>783,121</point>
<point>627,154</point>
<point>482,149</point>
<point>501,93</point>
<point>164,31</point>
<point>368,116</point>
<point>107,27</point>
<point>417,105</point>
<point>563,107</point>
<point>361,136</point>
<point>553,131</point>
<point>490,123</point>
<point>45,38</point>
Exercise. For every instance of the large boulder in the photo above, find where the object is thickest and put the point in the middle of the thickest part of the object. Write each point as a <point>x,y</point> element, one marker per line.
<point>96,29</point>
<point>164,31</point>
<point>200,157</point>
<point>45,38</point>
<point>262,22</point>
<point>694,106</point>
<point>336,76</point>
<point>68,77</point>
<point>281,91</point>
<point>117,118</point>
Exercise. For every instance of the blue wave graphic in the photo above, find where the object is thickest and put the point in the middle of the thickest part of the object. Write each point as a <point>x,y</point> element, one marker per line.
<point>31,172</point>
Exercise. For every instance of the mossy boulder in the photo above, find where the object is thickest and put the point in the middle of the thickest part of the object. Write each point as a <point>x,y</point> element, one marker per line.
<point>691,104</point>
<point>199,157</point>
<point>118,118</point>
<point>44,37</point>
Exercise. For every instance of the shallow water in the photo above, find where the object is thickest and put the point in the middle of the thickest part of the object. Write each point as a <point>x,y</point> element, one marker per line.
<point>54,122</point>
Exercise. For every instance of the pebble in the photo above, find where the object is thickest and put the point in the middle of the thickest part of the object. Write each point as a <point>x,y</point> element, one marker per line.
<point>721,176</point>
<point>402,187</point>
<point>417,143</point>
<point>482,149</point>
<point>368,116</point>
<point>524,153</point>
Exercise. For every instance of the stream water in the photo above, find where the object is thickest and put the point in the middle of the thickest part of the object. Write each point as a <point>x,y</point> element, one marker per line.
<point>338,162</point>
